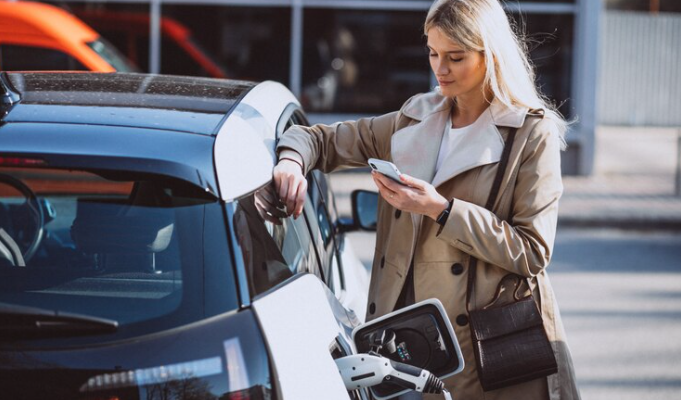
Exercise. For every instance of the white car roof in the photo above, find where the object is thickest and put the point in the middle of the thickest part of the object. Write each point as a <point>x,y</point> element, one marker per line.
<point>244,148</point>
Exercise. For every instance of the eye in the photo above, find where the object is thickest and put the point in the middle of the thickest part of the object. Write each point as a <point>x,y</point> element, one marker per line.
<point>432,54</point>
<point>456,59</point>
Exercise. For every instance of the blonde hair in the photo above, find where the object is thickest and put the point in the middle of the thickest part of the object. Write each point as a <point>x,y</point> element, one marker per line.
<point>482,25</point>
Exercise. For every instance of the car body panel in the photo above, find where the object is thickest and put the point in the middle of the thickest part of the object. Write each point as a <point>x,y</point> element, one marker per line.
<point>193,105</point>
<point>252,125</point>
<point>301,351</point>
<point>107,147</point>
<point>356,278</point>
<point>217,356</point>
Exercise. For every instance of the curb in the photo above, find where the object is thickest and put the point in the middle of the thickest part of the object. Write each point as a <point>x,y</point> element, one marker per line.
<point>672,225</point>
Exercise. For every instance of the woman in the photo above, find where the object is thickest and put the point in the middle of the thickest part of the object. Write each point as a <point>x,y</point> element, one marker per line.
<point>448,145</point>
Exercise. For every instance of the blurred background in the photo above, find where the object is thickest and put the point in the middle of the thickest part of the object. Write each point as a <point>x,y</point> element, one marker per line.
<point>612,66</point>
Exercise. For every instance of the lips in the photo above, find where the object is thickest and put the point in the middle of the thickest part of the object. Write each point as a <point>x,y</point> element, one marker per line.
<point>445,83</point>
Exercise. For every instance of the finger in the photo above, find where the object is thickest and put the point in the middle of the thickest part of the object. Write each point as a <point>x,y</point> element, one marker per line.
<point>413,182</point>
<point>385,192</point>
<point>283,190</point>
<point>381,184</point>
<point>274,196</point>
<point>292,195</point>
<point>300,199</point>
<point>388,182</point>
<point>380,178</point>
<point>277,178</point>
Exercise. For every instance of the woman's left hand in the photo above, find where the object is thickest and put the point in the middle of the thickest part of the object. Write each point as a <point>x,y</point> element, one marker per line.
<point>416,197</point>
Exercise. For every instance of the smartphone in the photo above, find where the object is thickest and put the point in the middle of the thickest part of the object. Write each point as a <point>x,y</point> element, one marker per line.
<point>386,168</point>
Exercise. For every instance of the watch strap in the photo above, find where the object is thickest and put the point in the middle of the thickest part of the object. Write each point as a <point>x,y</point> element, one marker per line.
<point>444,215</point>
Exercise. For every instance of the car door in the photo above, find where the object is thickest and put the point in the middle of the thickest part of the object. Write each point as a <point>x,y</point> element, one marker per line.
<point>296,281</point>
<point>344,274</point>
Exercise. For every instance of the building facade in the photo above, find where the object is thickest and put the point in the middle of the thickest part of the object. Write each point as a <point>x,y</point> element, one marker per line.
<point>349,58</point>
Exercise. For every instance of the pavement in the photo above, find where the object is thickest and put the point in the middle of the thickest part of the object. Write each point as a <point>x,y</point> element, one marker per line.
<point>632,186</point>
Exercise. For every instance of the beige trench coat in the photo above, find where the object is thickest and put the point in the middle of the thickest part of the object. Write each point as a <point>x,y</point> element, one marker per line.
<point>529,195</point>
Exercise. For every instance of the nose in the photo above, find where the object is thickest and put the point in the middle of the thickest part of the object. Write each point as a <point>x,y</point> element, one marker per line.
<point>440,67</point>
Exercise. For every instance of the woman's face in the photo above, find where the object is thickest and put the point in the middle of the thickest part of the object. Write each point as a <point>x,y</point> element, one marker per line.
<point>458,72</point>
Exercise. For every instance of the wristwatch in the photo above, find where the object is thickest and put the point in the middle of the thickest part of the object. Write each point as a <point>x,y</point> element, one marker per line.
<point>442,218</point>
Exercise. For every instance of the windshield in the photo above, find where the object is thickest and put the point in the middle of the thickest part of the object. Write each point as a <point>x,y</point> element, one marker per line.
<point>111,55</point>
<point>129,249</point>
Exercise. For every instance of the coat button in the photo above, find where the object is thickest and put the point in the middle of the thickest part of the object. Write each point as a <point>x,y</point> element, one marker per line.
<point>372,308</point>
<point>457,269</point>
<point>398,213</point>
<point>382,262</point>
<point>461,320</point>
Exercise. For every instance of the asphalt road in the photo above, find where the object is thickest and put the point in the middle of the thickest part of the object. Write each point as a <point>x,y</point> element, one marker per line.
<point>620,297</point>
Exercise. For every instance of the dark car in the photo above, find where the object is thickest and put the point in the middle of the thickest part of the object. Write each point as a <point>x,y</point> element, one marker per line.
<point>137,260</point>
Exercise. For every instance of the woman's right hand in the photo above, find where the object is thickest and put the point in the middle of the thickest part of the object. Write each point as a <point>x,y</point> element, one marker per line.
<point>291,185</point>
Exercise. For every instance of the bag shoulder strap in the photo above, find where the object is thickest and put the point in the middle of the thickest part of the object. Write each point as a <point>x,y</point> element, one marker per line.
<point>503,163</point>
<point>494,193</point>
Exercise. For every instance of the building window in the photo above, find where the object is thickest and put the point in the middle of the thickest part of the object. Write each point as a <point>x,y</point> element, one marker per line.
<point>362,61</point>
<point>251,43</point>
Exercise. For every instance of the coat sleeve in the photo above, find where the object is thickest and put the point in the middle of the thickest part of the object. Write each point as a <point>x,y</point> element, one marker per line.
<point>341,145</point>
<point>524,245</point>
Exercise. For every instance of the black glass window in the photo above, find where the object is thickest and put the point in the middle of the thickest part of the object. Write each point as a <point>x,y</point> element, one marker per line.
<point>321,205</point>
<point>111,245</point>
<point>273,249</point>
<point>30,58</point>
<point>111,55</point>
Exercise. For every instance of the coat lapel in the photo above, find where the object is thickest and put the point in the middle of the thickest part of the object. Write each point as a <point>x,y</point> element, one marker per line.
<point>483,145</point>
<point>481,148</point>
<point>414,149</point>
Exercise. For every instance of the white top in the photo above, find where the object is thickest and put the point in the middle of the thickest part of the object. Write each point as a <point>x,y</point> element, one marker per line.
<point>454,140</point>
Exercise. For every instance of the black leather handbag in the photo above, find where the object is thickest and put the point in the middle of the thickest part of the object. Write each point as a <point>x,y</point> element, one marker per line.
<point>510,343</point>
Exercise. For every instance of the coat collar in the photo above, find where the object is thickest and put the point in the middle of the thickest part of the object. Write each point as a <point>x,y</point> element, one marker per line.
<point>421,106</point>
<point>415,148</point>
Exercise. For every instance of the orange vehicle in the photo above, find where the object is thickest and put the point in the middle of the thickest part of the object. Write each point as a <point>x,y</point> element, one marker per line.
<point>36,36</point>
<point>182,54</point>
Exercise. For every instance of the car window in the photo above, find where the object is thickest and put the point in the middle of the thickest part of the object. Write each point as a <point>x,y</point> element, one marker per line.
<point>320,207</point>
<point>323,228</point>
<point>111,55</point>
<point>30,58</point>
<point>112,245</point>
<point>272,252</point>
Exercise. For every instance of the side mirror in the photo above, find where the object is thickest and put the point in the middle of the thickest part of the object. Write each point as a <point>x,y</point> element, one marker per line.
<point>420,335</point>
<point>365,209</point>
